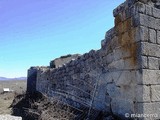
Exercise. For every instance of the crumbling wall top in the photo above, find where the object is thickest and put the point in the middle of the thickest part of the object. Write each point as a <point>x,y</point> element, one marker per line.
<point>58,62</point>
<point>130,3</point>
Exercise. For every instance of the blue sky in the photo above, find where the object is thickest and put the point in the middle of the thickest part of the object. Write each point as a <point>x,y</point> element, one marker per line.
<point>33,32</point>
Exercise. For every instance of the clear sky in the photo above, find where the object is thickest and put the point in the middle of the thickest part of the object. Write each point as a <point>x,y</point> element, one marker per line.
<point>33,32</point>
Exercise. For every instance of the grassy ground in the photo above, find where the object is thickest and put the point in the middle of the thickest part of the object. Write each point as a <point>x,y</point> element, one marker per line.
<point>6,99</point>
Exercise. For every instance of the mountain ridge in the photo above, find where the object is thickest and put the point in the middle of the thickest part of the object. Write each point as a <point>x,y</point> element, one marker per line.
<point>16,78</point>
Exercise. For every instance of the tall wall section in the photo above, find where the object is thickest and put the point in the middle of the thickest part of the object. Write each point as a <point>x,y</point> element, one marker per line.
<point>148,22</point>
<point>121,77</point>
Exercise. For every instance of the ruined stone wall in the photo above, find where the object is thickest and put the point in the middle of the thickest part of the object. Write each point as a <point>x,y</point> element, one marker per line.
<point>62,60</point>
<point>121,77</point>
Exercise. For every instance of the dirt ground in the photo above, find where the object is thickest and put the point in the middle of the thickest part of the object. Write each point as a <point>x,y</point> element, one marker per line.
<point>6,99</point>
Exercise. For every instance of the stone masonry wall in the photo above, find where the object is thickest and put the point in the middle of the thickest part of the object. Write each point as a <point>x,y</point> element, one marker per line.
<point>148,20</point>
<point>121,77</point>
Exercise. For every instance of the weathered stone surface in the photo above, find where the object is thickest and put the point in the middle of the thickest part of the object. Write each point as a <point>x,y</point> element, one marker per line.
<point>155,90</point>
<point>153,63</point>
<point>158,37</point>
<point>150,49</point>
<point>144,62</point>
<point>113,90</point>
<point>157,3</point>
<point>119,64</point>
<point>117,92</point>
<point>125,78</point>
<point>142,93</point>
<point>156,12</point>
<point>117,54</point>
<point>157,22</point>
<point>151,110</point>
<point>144,1</point>
<point>147,21</point>
<point>105,78</point>
<point>150,77</point>
<point>148,10</point>
<point>119,9</point>
<point>142,34</point>
<point>121,106</point>
<point>140,7</point>
<point>152,36</point>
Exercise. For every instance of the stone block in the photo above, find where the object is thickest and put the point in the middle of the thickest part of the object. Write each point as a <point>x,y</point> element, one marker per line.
<point>125,78</point>
<point>119,64</point>
<point>147,21</point>
<point>149,77</point>
<point>142,93</point>
<point>159,63</point>
<point>158,37</point>
<point>115,43</point>
<point>157,24</point>
<point>144,62</point>
<point>125,54</point>
<point>113,90</point>
<point>126,39</point>
<point>153,63</point>
<point>109,58</point>
<point>125,91</point>
<point>139,77</point>
<point>117,54</point>
<point>148,10</point>
<point>142,34</point>
<point>105,78</point>
<point>150,49</point>
<point>129,13</point>
<point>140,7</point>
<point>150,110</point>
<point>120,107</point>
<point>155,90</point>
<point>152,36</point>
<point>131,63</point>
<point>136,20</point>
<point>156,12</point>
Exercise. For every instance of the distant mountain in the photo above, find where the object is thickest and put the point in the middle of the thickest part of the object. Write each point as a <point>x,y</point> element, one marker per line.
<point>3,78</point>
<point>18,78</point>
